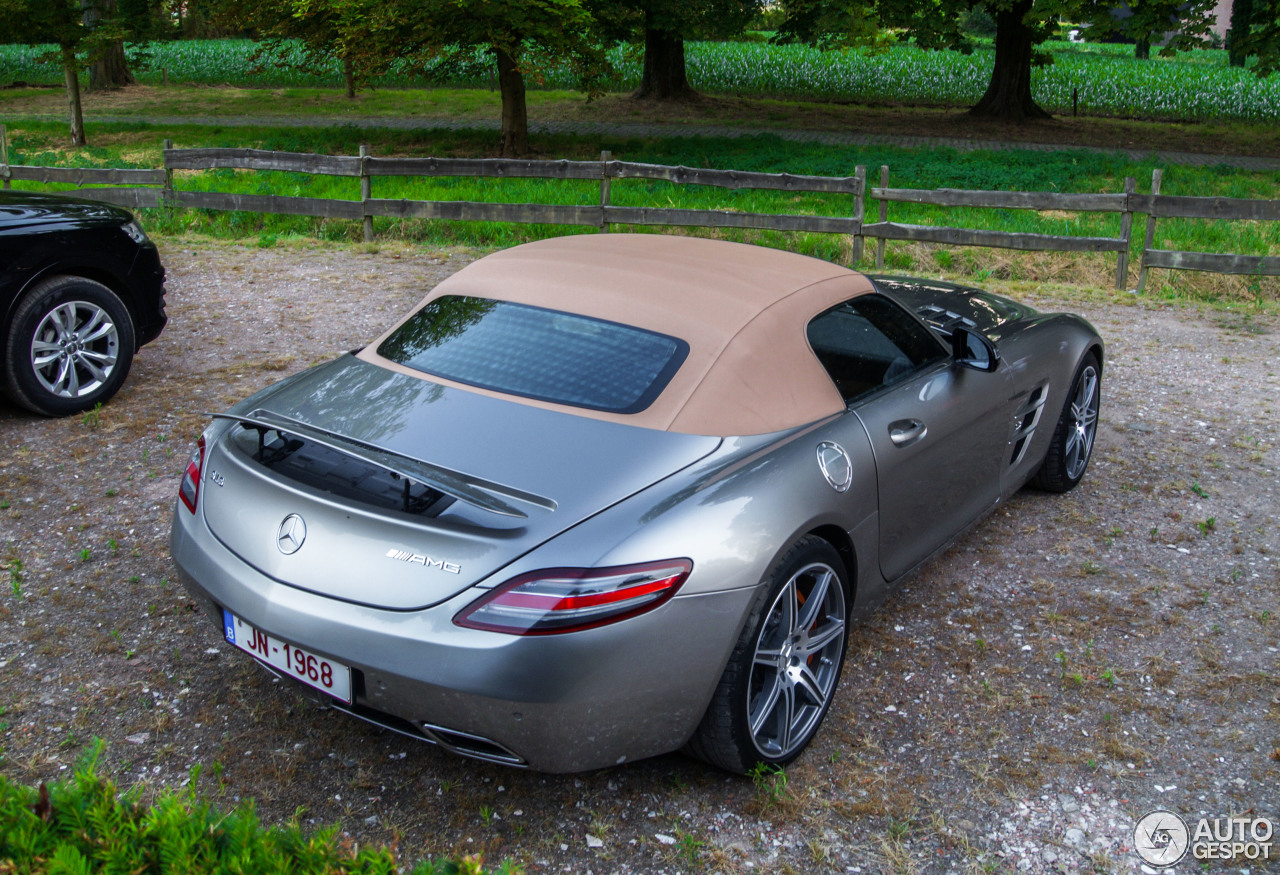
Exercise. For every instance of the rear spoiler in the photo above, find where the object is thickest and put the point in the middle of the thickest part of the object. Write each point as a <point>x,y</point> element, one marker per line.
<point>484,494</point>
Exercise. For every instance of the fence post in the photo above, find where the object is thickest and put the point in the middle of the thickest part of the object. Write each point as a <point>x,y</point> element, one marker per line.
<point>859,211</point>
<point>366,192</point>
<point>606,189</point>
<point>1151,229</point>
<point>884,215</point>
<point>1126,233</point>
<point>4,156</point>
<point>167,194</point>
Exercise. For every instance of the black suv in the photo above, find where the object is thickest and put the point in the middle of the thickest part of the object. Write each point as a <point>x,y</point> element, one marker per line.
<point>81,288</point>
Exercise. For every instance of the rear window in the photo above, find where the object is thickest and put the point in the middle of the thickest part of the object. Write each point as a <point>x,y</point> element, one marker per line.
<point>537,353</point>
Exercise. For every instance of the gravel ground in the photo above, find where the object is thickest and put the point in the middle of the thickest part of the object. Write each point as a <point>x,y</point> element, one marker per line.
<point>1067,666</point>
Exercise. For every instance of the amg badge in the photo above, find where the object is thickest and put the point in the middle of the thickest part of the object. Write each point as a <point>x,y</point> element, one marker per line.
<point>424,561</point>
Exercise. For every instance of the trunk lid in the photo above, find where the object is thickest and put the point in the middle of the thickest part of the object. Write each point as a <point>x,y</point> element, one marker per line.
<point>378,488</point>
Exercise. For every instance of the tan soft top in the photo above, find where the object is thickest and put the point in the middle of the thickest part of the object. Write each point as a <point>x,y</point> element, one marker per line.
<point>742,309</point>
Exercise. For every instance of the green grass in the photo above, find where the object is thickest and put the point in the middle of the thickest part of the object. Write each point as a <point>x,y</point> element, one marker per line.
<point>85,825</point>
<point>118,145</point>
<point>1197,85</point>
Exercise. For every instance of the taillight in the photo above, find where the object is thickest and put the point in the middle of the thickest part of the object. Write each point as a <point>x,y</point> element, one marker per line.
<point>189,491</point>
<point>560,600</point>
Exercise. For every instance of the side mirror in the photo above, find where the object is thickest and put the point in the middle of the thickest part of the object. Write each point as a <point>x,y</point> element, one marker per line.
<point>972,349</point>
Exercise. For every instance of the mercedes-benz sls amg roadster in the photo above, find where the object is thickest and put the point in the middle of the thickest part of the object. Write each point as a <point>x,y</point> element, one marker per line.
<point>602,497</point>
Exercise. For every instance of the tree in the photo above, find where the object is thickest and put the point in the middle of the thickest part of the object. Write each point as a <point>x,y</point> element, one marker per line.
<point>84,32</point>
<point>1261,37</point>
<point>831,25</point>
<point>517,37</point>
<point>1021,27</point>
<point>281,31</point>
<point>1241,18</point>
<point>59,22</point>
<point>662,26</point>
<point>664,75</point>
<point>1186,23</point>
<point>110,69</point>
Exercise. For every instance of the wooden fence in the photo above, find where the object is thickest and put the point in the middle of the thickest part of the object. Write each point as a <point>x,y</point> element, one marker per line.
<point>1158,206</point>
<point>151,188</point>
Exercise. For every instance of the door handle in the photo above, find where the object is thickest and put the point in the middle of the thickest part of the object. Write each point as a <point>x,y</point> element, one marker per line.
<point>906,432</point>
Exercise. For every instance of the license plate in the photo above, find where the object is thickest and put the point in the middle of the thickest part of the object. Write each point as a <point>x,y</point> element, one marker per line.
<point>325,675</point>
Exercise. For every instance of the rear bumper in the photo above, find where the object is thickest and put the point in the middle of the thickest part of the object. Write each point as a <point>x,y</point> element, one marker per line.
<point>559,703</point>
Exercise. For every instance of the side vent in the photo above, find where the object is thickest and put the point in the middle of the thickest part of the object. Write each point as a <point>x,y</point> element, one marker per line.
<point>943,320</point>
<point>1025,422</point>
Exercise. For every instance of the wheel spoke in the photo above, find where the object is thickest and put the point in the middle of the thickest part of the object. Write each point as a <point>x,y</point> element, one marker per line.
<point>103,359</point>
<point>66,373</point>
<point>767,657</point>
<point>824,635</point>
<point>106,329</point>
<point>1086,390</point>
<point>95,317</point>
<point>786,719</point>
<point>62,320</point>
<point>764,703</point>
<point>73,379</point>
<point>1073,443</point>
<point>1088,386</point>
<point>814,604</point>
<point>808,683</point>
<point>47,358</point>
<point>99,374</point>
<point>777,630</point>
<point>790,609</point>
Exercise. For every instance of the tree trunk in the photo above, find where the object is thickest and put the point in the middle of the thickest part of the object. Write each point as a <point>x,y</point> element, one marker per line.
<point>1241,18</point>
<point>71,73</point>
<point>1142,50</point>
<point>515,116</point>
<point>1008,96</point>
<point>111,70</point>
<point>349,77</point>
<point>664,76</point>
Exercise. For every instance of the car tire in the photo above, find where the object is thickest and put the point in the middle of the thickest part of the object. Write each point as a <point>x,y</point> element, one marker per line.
<point>69,347</point>
<point>1072,444</point>
<point>783,672</point>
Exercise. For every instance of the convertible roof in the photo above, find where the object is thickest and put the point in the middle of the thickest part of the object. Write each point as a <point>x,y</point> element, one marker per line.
<point>742,309</point>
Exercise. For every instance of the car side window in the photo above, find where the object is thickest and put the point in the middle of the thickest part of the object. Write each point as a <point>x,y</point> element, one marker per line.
<point>869,342</point>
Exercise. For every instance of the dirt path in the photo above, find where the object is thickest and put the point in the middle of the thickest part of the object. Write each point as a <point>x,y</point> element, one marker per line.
<point>1067,666</point>
<point>1251,145</point>
<point>969,142</point>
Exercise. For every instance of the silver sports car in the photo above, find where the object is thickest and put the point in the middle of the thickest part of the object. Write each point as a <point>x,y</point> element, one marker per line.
<point>602,497</point>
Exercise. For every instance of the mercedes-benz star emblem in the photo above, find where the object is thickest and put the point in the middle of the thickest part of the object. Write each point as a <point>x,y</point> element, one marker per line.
<point>293,531</point>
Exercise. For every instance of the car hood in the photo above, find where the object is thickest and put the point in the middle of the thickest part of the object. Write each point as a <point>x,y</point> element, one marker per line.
<point>23,209</point>
<point>509,476</point>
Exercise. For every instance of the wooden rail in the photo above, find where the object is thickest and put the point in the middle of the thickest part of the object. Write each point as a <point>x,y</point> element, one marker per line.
<point>1006,200</point>
<point>1158,206</point>
<point>150,188</point>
